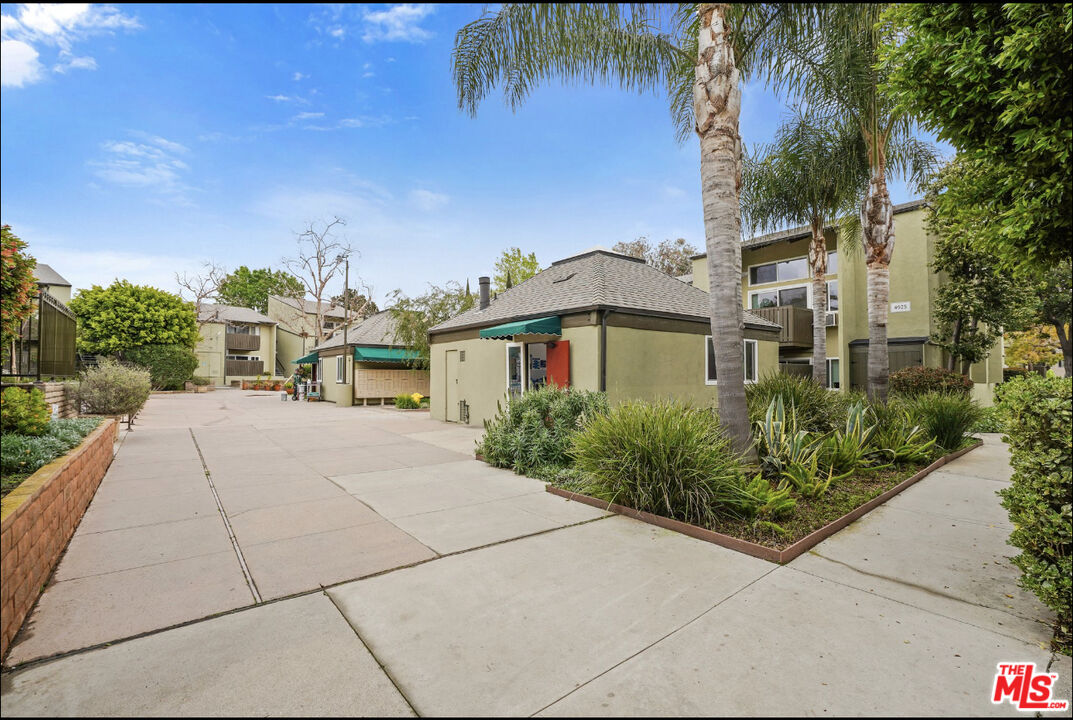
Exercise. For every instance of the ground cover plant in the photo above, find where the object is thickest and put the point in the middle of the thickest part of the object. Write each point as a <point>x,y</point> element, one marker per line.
<point>408,401</point>
<point>21,455</point>
<point>1039,429</point>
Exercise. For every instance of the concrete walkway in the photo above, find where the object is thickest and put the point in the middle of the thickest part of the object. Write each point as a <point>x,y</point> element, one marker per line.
<point>215,562</point>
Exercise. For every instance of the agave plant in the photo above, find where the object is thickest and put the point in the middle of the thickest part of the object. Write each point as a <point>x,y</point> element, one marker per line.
<point>780,443</point>
<point>849,449</point>
<point>899,440</point>
<point>767,501</point>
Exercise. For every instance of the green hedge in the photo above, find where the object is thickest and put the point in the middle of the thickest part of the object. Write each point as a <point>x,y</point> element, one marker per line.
<point>1038,428</point>
<point>169,366</point>
<point>24,411</point>
<point>918,380</point>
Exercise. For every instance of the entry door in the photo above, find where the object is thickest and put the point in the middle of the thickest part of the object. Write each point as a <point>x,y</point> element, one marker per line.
<point>451,393</point>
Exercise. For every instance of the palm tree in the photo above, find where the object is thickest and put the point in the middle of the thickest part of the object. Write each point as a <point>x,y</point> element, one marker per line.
<point>814,173</point>
<point>838,73</point>
<point>696,61</point>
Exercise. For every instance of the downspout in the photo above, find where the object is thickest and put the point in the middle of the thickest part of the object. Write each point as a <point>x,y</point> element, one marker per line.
<point>603,350</point>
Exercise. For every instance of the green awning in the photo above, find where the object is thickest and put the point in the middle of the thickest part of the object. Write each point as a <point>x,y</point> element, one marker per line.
<point>539,326</point>
<point>310,358</point>
<point>392,355</point>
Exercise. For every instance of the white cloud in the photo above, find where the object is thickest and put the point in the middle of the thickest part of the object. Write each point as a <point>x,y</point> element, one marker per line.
<point>399,23</point>
<point>308,115</point>
<point>58,25</point>
<point>427,200</point>
<point>85,268</point>
<point>153,164</point>
<point>287,99</point>
<point>18,63</point>
<point>299,76</point>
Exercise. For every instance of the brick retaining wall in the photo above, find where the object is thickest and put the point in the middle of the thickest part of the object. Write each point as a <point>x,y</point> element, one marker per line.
<point>38,519</point>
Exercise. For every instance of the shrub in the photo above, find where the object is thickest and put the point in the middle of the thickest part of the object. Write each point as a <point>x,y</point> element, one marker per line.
<point>665,458</point>
<point>24,412</point>
<point>947,417</point>
<point>850,448</point>
<point>169,366</point>
<point>533,432</point>
<point>25,454</point>
<point>1038,500</point>
<point>919,380</point>
<point>113,388</point>
<point>201,381</point>
<point>815,408</point>
<point>899,439</point>
<point>991,421</point>
<point>406,402</point>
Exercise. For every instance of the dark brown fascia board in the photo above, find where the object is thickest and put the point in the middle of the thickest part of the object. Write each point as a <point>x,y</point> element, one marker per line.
<point>590,308</point>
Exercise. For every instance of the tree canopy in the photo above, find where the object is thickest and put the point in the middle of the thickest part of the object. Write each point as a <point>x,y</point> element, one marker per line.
<point>250,288</point>
<point>993,80</point>
<point>360,305</point>
<point>414,316</point>
<point>514,266</point>
<point>123,316</point>
<point>17,285</point>
<point>674,257</point>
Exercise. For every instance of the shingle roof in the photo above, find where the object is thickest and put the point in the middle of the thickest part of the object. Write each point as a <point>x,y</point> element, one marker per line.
<point>378,329</point>
<point>232,313</point>
<point>804,231</point>
<point>595,279</point>
<point>310,306</point>
<point>47,276</point>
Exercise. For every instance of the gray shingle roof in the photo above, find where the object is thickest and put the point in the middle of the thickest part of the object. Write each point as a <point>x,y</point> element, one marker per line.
<point>378,329</point>
<point>47,276</point>
<point>232,313</point>
<point>595,279</point>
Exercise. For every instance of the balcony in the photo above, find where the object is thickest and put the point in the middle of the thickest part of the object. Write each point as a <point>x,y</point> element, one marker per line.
<point>243,341</point>
<point>796,324</point>
<point>244,368</point>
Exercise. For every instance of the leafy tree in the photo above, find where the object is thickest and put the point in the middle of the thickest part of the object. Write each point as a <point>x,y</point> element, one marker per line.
<point>124,316</point>
<point>699,62</point>
<point>250,288</point>
<point>812,174</point>
<point>993,80</point>
<point>1054,289</point>
<point>979,299</point>
<point>674,257</point>
<point>513,268</point>
<point>17,285</point>
<point>414,316</point>
<point>359,304</point>
<point>1035,347</point>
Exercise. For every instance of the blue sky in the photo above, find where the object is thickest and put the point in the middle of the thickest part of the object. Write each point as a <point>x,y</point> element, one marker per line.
<point>141,140</point>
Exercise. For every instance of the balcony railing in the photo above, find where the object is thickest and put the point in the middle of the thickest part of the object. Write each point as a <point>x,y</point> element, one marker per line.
<point>243,341</point>
<point>796,324</point>
<point>244,368</point>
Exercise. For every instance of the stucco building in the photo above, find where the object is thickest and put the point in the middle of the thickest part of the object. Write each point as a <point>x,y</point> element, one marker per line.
<point>296,328</point>
<point>237,343</point>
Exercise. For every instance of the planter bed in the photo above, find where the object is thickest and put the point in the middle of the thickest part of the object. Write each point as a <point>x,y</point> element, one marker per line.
<point>854,497</point>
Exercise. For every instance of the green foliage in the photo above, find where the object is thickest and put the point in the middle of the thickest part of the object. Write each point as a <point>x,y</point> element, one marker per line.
<point>1040,497</point>
<point>124,316</point>
<point>674,257</point>
<point>947,417</point>
<point>406,401</point>
<point>816,409</point>
<point>24,412</point>
<point>414,316</point>
<point>250,288</point>
<point>781,446</point>
<point>113,388</point>
<point>918,380</point>
<point>360,306</point>
<point>169,366</point>
<point>26,453</point>
<point>764,501</point>
<point>991,420</point>
<point>200,380</point>
<point>532,434</point>
<point>514,267</point>
<point>850,448</point>
<point>17,284</point>
<point>899,439</point>
<point>993,80</point>
<point>665,458</point>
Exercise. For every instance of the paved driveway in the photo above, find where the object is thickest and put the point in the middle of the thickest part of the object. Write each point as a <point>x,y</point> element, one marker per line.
<point>256,557</point>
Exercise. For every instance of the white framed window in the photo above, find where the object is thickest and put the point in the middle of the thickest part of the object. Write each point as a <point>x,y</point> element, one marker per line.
<point>340,368</point>
<point>243,357</point>
<point>832,296</point>
<point>243,329</point>
<point>750,353</point>
<point>832,262</point>
<point>796,295</point>
<point>790,269</point>
<point>834,382</point>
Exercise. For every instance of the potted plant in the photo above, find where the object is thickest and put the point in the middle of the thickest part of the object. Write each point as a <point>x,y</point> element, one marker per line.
<point>245,384</point>
<point>289,387</point>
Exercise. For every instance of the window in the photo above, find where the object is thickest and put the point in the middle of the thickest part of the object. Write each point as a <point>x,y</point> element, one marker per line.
<point>833,380</point>
<point>243,357</point>
<point>244,329</point>
<point>340,368</point>
<point>797,296</point>
<point>832,263</point>
<point>794,269</point>
<point>832,296</point>
<point>749,354</point>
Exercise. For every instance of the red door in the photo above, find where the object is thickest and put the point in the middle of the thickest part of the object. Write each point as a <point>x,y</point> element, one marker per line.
<point>559,363</point>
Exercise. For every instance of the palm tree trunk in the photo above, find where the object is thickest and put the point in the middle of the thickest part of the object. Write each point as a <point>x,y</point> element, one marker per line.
<point>817,257</point>
<point>877,225</point>
<point>717,104</point>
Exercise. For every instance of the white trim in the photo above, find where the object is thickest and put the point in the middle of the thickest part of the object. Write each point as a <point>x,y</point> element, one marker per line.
<point>775,289</point>
<point>828,363</point>
<point>828,288</point>
<point>749,270</point>
<point>340,368</point>
<point>756,360</point>
<point>524,362</point>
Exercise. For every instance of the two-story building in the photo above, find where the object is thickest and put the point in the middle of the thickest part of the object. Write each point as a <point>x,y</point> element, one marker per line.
<point>296,328</point>
<point>777,285</point>
<point>237,343</point>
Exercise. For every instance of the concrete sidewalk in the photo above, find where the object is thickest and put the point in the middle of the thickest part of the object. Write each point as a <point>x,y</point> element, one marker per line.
<point>500,599</point>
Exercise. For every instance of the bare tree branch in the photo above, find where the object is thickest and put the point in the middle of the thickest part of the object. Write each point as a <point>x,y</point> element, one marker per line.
<point>201,287</point>
<point>321,257</point>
